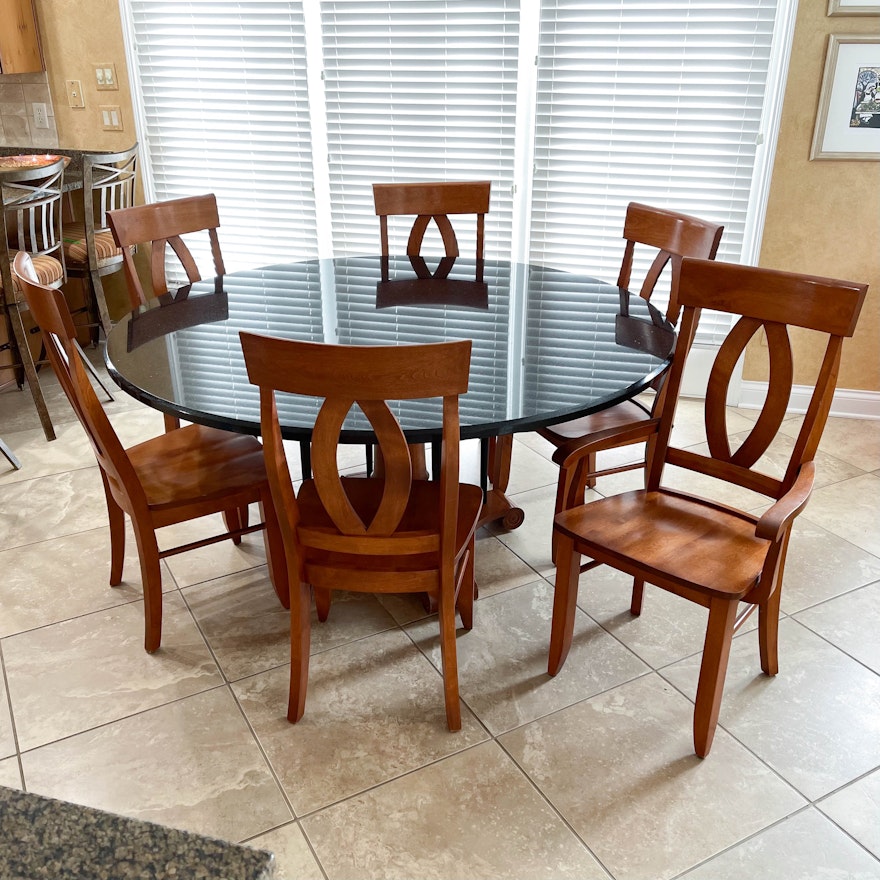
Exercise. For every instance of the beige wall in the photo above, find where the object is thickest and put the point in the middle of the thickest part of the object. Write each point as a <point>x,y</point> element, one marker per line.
<point>823,216</point>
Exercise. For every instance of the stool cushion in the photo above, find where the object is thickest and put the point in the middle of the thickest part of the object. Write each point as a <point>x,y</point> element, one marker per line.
<point>49,271</point>
<point>76,250</point>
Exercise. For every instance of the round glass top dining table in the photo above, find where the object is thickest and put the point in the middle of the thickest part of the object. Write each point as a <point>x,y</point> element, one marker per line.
<point>548,345</point>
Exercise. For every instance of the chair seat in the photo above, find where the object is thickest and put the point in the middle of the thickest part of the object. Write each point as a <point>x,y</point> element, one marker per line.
<point>625,413</point>
<point>49,271</point>
<point>420,521</point>
<point>192,464</point>
<point>76,250</point>
<point>691,543</point>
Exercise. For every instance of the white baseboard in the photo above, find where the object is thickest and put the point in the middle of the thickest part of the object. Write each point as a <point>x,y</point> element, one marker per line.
<point>848,403</point>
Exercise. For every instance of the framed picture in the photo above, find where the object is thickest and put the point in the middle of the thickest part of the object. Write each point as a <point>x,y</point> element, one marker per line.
<point>848,121</point>
<point>853,7</point>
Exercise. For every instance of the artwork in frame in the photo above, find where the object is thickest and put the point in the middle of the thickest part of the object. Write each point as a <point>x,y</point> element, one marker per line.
<point>848,120</point>
<point>853,7</point>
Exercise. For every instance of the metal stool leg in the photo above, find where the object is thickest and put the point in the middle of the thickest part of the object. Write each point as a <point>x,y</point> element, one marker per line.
<point>9,455</point>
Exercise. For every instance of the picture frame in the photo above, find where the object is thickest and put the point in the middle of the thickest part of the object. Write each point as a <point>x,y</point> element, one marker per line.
<point>853,7</point>
<point>848,117</point>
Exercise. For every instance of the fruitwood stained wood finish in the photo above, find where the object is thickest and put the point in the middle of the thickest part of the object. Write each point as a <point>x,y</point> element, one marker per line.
<point>381,535</point>
<point>432,201</point>
<point>675,236</point>
<point>109,181</point>
<point>178,476</point>
<point>711,554</point>
<point>161,224</point>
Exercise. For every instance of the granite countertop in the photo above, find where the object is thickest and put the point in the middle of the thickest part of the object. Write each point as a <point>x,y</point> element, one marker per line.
<point>44,838</point>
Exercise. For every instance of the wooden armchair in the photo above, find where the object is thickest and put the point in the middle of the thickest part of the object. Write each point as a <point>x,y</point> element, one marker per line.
<point>182,475</point>
<point>674,236</point>
<point>30,221</point>
<point>712,554</point>
<point>381,535</point>
<point>109,181</point>
<point>431,201</point>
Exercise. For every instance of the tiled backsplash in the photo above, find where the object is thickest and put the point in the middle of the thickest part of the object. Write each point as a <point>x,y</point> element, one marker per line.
<point>18,92</point>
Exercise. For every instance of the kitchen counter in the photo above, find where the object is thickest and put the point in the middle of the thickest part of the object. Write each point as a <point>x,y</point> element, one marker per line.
<point>45,838</point>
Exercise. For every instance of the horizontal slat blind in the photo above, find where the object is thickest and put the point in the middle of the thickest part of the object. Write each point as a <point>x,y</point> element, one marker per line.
<point>225,109</point>
<point>419,91</point>
<point>650,101</point>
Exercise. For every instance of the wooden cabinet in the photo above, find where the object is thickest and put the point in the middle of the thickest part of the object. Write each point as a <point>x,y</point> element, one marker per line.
<point>19,39</point>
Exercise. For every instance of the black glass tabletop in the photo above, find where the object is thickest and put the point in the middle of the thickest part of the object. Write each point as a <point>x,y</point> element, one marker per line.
<point>548,345</point>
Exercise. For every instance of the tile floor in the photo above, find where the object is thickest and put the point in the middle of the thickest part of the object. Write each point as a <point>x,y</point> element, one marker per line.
<point>588,775</point>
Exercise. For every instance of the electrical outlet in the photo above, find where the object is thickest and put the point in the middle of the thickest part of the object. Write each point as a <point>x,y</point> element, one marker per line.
<point>41,117</point>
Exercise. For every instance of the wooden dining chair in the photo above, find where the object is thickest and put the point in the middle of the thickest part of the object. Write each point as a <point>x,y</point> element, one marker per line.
<point>161,225</point>
<point>694,546</point>
<point>674,236</point>
<point>432,201</point>
<point>175,477</point>
<point>30,220</point>
<point>90,253</point>
<point>391,534</point>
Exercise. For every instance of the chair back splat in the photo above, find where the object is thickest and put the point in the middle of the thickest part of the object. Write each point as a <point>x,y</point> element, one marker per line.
<point>175,477</point>
<point>161,224</point>
<point>711,553</point>
<point>432,201</point>
<point>377,534</point>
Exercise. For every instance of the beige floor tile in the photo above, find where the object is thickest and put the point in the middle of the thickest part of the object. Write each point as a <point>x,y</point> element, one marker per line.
<point>215,560</point>
<point>821,565</point>
<point>536,443</point>
<point>530,470</point>
<point>99,671</point>
<point>293,858</point>
<point>65,577</point>
<point>249,630</point>
<point>70,450</point>
<point>136,425</point>
<point>668,629</point>
<point>192,764</point>
<point>503,660</point>
<point>469,816</point>
<point>817,722</point>
<point>854,440</point>
<point>621,770</point>
<point>856,809</point>
<point>690,426</point>
<point>10,774</point>
<point>802,847</point>
<point>374,711</point>
<point>850,622</point>
<point>49,507</point>
<point>497,567</point>
<point>850,509</point>
<point>7,735</point>
<point>18,413</point>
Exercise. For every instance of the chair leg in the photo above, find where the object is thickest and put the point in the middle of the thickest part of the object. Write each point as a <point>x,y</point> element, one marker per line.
<point>9,455</point>
<point>568,567</point>
<point>300,637</point>
<point>468,589</point>
<point>151,574</point>
<point>30,369</point>
<point>768,632</point>
<point>172,423</point>
<point>276,557</point>
<point>638,593</point>
<point>232,520</point>
<point>117,535</point>
<point>716,652</point>
<point>448,653</point>
<point>100,301</point>
<point>323,599</point>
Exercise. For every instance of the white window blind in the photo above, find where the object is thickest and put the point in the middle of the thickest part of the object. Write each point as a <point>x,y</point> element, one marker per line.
<point>419,91</point>
<point>224,109</point>
<point>646,101</point>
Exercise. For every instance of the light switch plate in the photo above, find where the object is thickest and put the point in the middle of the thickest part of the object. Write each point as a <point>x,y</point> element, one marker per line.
<point>111,117</point>
<point>105,75</point>
<point>75,99</point>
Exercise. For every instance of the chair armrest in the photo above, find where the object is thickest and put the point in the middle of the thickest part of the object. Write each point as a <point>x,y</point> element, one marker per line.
<point>623,435</point>
<point>778,518</point>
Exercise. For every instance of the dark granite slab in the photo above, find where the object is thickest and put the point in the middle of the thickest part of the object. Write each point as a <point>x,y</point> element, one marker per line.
<point>44,838</point>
